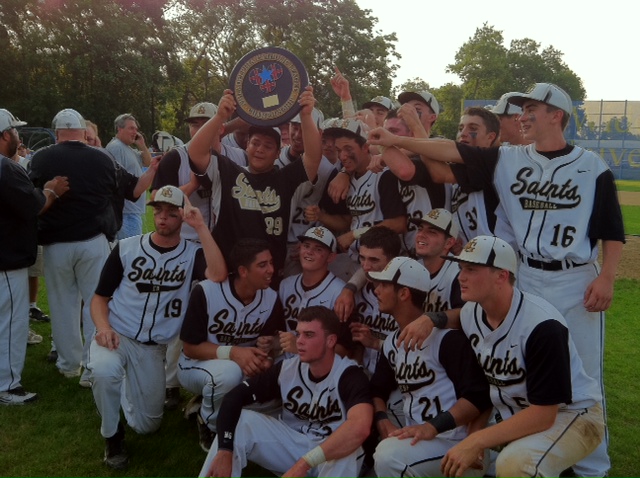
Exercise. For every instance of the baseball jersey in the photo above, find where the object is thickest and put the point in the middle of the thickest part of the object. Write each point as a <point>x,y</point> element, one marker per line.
<point>431,378</point>
<point>559,207</point>
<point>529,358</point>
<point>381,324</point>
<point>420,195</point>
<point>216,315</point>
<point>315,407</point>
<point>296,297</point>
<point>371,199</point>
<point>254,205</point>
<point>473,211</point>
<point>149,287</point>
<point>308,194</point>
<point>444,290</point>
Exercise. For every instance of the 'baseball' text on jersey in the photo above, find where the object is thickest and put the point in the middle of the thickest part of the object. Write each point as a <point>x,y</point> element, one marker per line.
<point>547,189</point>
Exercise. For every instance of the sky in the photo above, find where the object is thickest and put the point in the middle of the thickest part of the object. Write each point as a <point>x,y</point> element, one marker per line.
<point>600,43</point>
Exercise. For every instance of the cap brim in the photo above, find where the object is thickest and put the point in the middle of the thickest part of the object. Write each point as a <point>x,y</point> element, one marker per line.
<point>411,95</point>
<point>369,104</point>
<point>520,99</point>
<point>305,238</point>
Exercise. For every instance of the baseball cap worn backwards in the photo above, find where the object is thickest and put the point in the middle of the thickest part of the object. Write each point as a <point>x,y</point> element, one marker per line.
<point>68,119</point>
<point>322,235</point>
<point>8,121</point>
<point>504,108</point>
<point>424,96</point>
<point>488,251</point>
<point>440,218</point>
<point>404,271</point>
<point>546,93</point>
<point>352,127</point>
<point>202,110</point>
<point>168,195</point>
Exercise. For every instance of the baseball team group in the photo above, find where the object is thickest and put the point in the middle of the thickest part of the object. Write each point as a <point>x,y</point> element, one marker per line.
<point>340,297</point>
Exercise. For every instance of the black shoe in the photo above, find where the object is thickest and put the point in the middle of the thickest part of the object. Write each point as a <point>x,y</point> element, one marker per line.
<point>172,398</point>
<point>205,434</point>
<point>17,396</point>
<point>115,455</point>
<point>36,314</point>
<point>53,356</point>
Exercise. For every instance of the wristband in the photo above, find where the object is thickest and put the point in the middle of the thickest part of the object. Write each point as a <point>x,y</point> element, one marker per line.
<point>314,457</point>
<point>344,170</point>
<point>378,416</point>
<point>439,319</point>
<point>357,233</point>
<point>52,192</point>
<point>443,422</point>
<point>223,352</point>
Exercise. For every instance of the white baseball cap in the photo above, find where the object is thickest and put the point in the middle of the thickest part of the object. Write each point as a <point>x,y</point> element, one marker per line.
<point>504,108</point>
<point>488,251</point>
<point>379,101</point>
<point>547,93</point>
<point>440,218</point>
<point>68,119</point>
<point>322,235</point>
<point>168,195</point>
<point>424,96</point>
<point>337,127</point>
<point>8,121</point>
<point>404,271</point>
<point>202,110</point>
<point>316,114</point>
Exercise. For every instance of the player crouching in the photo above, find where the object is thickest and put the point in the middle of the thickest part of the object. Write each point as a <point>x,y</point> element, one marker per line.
<point>138,309</point>
<point>549,415</point>
<point>326,411</point>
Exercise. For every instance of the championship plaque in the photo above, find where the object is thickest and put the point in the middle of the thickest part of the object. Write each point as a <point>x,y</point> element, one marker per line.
<point>267,83</point>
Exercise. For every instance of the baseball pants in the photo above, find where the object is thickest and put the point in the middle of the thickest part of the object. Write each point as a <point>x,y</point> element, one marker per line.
<point>131,377</point>
<point>212,379</point>
<point>270,443</point>
<point>565,291</point>
<point>14,326</point>
<point>171,366</point>
<point>574,435</point>
<point>72,271</point>
<point>394,457</point>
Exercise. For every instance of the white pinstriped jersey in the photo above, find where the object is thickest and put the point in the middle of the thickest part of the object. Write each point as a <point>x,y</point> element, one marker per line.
<point>525,358</point>
<point>470,212</point>
<point>150,302</point>
<point>308,194</point>
<point>367,312</point>
<point>440,293</point>
<point>426,388</point>
<point>295,297</point>
<point>370,202</point>
<point>230,321</point>
<point>309,407</point>
<point>549,202</point>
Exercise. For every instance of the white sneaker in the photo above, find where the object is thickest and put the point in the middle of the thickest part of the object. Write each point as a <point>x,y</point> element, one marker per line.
<point>17,396</point>
<point>33,338</point>
<point>71,373</point>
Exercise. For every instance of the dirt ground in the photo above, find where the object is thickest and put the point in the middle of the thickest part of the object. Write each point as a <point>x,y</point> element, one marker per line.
<point>629,266</point>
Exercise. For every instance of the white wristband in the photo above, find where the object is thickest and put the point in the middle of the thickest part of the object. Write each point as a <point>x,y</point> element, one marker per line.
<point>223,352</point>
<point>357,233</point>
<point>315,457</point>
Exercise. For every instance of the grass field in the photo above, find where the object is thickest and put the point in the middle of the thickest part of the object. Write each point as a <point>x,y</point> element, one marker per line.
<point>627,185</point>
<point>631,217</point>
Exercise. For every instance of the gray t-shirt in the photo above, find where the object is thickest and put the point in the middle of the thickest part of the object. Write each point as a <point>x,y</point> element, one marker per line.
<point>131,160</point>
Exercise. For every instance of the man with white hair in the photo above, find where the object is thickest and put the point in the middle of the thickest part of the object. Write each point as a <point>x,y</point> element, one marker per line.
<point>76,232</point>
<point>132,160</point>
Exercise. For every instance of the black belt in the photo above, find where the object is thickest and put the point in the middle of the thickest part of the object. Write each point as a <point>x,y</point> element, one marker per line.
<point>150,342</point>
<point>550,266</point>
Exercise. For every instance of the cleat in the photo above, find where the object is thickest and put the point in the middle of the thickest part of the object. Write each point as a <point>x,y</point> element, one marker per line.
<point>115,455</point>
<point>192,407</point>
<point>172,398</point>
<point>17,396</point>
<point>33,338</point>
<point>53,356</point>
<point>37,315</point>
<point>205,435</point>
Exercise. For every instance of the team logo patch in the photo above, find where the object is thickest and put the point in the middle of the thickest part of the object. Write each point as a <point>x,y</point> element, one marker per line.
<point>166,193</point>
<point>201,110</point>
<point>471,245</point>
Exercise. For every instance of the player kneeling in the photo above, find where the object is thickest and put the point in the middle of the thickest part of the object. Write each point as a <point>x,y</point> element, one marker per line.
<point>443,387</point>
<point>549,413</point>
<point>326,411</point>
